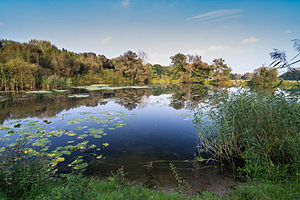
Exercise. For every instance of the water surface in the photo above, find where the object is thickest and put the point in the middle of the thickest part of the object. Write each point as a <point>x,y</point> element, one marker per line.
<point>103,128</point>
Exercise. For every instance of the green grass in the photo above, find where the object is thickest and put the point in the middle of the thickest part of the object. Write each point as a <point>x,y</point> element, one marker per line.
<point>265,190</point>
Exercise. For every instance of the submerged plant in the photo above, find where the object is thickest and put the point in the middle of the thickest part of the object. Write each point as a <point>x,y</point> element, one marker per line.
<point>182,185</point>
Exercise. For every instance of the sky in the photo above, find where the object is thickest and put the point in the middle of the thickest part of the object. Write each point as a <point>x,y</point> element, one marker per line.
<point>242,32</point>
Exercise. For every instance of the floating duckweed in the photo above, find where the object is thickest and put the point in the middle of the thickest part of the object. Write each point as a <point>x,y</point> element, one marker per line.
<point>80,166</point>
<point>50,155</point>
<point>80,127</point>
<point>39,92</point>
<point>60,159</point>
<point>71,134</point>
<point>79,96</point>
<point>40,134</point>
<point>41,142</point>
<point>100,87</point>
<point>76,161</point>
<point>66,152</point>
<point>45,149</point>
<point>54,90</point>
<point>105,144</point>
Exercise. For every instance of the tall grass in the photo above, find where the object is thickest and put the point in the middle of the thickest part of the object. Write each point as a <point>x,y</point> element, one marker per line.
<point>21,177</point>
<point>257,135</point>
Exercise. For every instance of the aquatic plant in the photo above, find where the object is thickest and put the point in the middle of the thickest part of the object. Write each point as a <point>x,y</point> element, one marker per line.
<point>40,134</point>
<point>182,185</point>
<point>255,134</point>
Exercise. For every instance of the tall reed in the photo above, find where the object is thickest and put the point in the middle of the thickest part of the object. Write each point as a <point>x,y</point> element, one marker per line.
<point>257,134</point>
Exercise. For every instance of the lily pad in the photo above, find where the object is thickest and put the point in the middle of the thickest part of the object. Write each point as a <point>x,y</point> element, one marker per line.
<point>39,92</point>
<point>79,96</point>
<point>60,90</point>
<point>80,166</point>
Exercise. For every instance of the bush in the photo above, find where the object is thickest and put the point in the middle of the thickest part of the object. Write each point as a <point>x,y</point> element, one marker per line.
<point>257,135</point>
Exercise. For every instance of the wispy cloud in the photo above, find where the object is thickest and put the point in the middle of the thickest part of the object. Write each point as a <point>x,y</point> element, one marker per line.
<point>219,49</point>
<point>1,23</point>
<point>125,3</point>
<point>217,14</point>
<point>250,40</point>
<point>106,40</point>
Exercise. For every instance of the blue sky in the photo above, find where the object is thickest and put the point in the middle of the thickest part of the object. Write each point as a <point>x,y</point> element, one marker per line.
<point>242,32</point>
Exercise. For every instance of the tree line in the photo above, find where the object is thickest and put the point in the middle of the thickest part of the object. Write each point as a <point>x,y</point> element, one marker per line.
<point>38,64</point>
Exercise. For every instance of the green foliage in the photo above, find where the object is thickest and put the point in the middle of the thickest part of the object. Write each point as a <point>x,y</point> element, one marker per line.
<point>257,134</point>
<point>221,70</point>
<point>190,68</point>
<point>265,76</point>
<point>132,67</point>
<point>159,71</point>
<point>266,190</point>
<point>70,187</point>
<point>41,65</point>
<point>182,185</point>
<point>118,177</point>
<point>21,177</point>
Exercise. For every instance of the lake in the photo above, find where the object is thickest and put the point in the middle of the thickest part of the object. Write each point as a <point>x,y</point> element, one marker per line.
<point>101,129</point>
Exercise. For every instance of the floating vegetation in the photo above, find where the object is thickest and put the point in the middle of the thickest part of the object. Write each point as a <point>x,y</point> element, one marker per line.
<point>60,91</point>
<point>102,87</point>
<point>79,96</point>
<point>186,116</point>
<point>105,144</point>
<point>41,134</point>
<point>80,127</point>
<point>39,92</point>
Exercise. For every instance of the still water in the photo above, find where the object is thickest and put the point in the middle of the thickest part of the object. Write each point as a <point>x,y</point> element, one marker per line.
<point>101,129</point>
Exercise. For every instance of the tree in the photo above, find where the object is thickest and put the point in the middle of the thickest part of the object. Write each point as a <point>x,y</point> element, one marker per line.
<point>159,71</point>
<point>178,62</point>
<point>247,76</point>
<point>221,70</point>
<point>132,67</point>
<point>292,75</point>
<point>236,76</point>
<point>265,76</point>
<point>190,68</point>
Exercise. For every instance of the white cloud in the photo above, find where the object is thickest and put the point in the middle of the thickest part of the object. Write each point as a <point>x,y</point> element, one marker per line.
<point>125,3</point>
<point>1,23</point>
<point>288,31</point>
<point>250,40</point>
<point>218,49</point>
<point>215,51</point>
<point>106,40</point>
<point>217,14</point>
